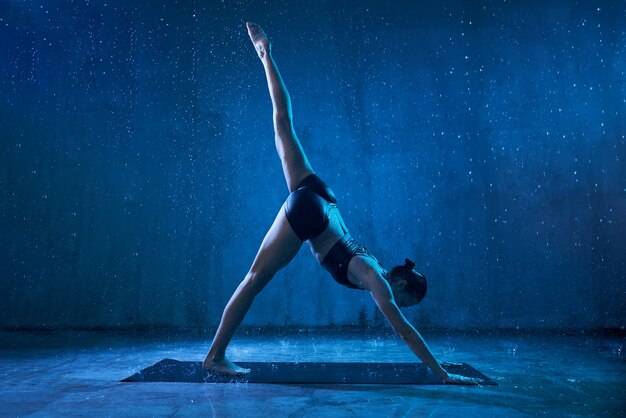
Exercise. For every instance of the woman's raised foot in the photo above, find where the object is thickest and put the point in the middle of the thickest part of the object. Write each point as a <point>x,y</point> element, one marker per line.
<point>259,39</point>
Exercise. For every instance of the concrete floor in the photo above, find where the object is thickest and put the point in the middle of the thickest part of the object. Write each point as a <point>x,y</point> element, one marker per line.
<point>78,374</point>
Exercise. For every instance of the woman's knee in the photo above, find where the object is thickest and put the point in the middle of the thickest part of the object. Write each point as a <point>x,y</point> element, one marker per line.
<point>256,281</point>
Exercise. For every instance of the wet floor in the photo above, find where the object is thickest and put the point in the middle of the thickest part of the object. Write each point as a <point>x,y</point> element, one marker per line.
<point>78,374</point>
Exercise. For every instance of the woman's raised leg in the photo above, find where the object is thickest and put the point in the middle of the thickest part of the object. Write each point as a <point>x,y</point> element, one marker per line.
<point>278,248</point>
<point>295,164</point>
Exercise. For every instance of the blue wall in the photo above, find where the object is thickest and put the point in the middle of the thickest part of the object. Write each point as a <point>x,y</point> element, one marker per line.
<point>138,173</point>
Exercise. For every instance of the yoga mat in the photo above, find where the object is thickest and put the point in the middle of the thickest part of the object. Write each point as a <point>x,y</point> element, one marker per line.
<point>169,370</point>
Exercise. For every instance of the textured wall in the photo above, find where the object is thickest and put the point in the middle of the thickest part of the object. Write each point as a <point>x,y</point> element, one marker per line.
<point>484,140</point>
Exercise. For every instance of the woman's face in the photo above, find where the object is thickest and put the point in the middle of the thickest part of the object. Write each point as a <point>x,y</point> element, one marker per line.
<point>400,295</point>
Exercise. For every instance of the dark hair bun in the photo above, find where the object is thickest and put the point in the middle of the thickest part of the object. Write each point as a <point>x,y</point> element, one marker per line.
<point>415,282</point>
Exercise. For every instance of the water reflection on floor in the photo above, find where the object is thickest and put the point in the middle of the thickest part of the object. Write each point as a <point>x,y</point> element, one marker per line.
<point>75,373</point>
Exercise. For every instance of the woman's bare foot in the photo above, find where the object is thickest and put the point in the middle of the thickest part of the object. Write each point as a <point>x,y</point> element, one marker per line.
<point>224,366</point>
<point>259,39</point>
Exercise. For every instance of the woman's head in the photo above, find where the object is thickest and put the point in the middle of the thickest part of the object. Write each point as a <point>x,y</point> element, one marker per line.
<point>407,285</point>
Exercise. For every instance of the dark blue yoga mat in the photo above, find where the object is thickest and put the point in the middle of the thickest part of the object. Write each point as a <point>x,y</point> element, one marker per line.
<point>169,370</point>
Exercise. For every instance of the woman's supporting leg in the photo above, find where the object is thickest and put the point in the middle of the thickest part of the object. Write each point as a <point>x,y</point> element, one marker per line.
<point>278,248</point>
<point>295,164</point>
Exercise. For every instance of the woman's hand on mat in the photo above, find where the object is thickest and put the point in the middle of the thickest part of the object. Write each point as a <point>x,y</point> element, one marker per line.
<point>457,379</point>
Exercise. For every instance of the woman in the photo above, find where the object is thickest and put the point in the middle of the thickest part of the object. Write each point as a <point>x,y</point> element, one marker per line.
<point>310,214</point>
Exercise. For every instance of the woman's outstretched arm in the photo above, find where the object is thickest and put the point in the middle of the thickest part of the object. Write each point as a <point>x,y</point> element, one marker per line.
<point>382,295</point>
<point>370,277</point>
<point>295,164</point>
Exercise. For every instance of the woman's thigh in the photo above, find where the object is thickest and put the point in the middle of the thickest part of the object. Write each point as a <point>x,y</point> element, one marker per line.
<point>278,248</point>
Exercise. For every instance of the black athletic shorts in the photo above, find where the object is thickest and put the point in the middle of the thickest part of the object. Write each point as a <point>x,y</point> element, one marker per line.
<point>307,207</point>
